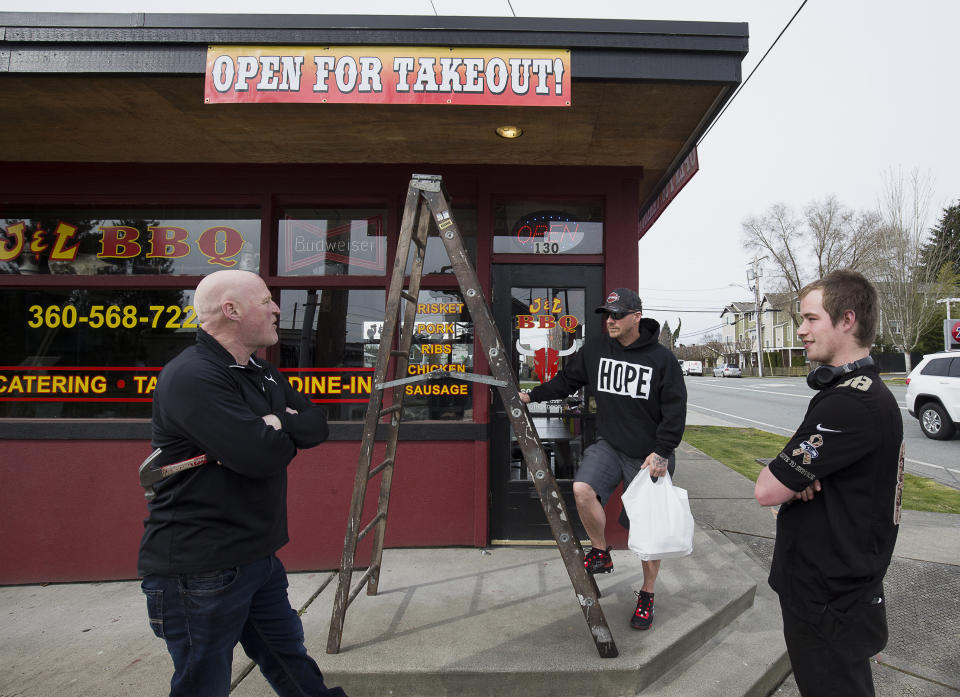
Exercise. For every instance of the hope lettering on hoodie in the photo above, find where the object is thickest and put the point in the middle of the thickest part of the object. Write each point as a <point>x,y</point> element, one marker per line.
<point>622,378</point>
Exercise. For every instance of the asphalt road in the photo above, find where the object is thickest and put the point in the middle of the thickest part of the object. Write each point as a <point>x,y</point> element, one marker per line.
<point>777,405</point>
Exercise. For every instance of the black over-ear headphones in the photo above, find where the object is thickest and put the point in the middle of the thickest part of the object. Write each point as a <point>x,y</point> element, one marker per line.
<point>826,375</point>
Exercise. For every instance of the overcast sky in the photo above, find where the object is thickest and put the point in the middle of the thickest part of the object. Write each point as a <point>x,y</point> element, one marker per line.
<point>853,89</point>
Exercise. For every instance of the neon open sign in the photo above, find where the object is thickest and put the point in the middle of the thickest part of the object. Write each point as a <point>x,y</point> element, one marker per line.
<point>550,232</point>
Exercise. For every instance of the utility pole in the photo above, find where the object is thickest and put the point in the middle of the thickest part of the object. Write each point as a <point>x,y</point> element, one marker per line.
<point>754,274</point>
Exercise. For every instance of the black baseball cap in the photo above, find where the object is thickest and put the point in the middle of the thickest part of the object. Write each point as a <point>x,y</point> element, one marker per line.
<point>621,300</point>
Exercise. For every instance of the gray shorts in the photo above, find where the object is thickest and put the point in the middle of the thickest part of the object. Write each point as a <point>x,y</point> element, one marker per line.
<point>604,467</point>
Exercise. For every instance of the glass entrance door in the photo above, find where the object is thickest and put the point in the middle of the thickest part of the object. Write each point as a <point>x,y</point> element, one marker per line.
<point>543,313</point>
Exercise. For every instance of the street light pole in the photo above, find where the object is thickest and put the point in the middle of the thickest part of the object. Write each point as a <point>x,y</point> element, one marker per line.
<point>948,301</point>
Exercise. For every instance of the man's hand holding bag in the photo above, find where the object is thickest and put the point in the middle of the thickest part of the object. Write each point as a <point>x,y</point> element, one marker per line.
<point>661,525</point>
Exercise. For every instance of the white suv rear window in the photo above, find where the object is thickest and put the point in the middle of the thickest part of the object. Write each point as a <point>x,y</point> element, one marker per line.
<point>938,366</point>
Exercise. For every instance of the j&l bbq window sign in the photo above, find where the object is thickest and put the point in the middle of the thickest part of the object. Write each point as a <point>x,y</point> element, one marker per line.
<point>387,75</point>
<point>128,242</point>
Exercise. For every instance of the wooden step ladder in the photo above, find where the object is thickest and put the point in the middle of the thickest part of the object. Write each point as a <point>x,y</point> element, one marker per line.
<point>427,198</point>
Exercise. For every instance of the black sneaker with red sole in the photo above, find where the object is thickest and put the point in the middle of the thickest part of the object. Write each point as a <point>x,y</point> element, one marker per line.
<point>598,561</point>
<point>643,615</point>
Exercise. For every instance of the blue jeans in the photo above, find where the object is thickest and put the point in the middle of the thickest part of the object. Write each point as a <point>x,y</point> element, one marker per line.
<point>203,616</point>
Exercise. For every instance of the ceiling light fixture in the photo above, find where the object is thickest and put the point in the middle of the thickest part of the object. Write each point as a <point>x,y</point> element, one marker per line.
<point>509,131</point>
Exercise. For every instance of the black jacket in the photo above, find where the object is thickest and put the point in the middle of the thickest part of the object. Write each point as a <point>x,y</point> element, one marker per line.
<point>223,515</point>
<point>640,393</point>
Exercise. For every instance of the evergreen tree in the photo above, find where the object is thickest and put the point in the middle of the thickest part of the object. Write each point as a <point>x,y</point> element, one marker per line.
<point>946,234</point>
<point>666,336</point>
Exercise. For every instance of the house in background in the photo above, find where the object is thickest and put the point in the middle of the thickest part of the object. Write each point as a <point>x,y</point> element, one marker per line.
<point>780,317</point>
<point>779,314</point>
<point>739,334</point>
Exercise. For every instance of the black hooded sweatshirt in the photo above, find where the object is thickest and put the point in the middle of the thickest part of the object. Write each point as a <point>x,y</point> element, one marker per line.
<point>640,393</point>
<point>234,511</point>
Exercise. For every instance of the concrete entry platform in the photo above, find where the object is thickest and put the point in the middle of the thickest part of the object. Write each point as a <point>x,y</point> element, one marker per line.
<point>503,621</point>
<point>506,621</point>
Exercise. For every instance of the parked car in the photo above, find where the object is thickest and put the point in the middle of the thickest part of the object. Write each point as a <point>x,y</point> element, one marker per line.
<point>693,368</point>
<point>727,370</point>
<point>933,394</point>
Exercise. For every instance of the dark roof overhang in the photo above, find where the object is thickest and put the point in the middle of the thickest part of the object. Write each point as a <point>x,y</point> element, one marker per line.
<point>129,88</point>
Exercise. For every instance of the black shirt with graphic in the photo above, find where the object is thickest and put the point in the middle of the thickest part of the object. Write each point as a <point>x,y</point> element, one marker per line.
<point>836,548</point>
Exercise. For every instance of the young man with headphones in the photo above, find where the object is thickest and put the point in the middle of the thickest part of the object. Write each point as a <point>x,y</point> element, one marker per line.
<point>839,479</point>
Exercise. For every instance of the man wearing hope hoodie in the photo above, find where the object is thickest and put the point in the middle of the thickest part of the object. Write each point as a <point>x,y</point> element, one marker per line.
<point>641,412</point>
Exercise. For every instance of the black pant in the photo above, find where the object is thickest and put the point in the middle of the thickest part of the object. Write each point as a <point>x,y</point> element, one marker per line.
<point>831,658</point>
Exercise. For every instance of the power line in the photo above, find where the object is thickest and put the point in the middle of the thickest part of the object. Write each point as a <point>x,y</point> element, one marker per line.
<point>744,83</point>
<point>685,290</point>
<point>699,332</point>
<point>676,309</point>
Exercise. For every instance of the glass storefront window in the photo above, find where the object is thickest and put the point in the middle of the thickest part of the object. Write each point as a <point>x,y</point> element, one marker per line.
<point>547,227</point>
<point>547,329</point>
<point>329,340</point>
<point>436,259</point>
<point>332,242</point>
<point>442,345</point>
<point>98,242</point>
<point>88,352</point>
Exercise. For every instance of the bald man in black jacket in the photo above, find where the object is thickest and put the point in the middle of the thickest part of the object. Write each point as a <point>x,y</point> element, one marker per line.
<point>208,552</point>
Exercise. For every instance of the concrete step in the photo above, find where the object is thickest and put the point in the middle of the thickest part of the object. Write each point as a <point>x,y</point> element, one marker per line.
<point>505,621</point>
<point>748,658</point>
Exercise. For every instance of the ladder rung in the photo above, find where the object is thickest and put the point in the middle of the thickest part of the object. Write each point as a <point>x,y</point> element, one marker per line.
<point>379,468</point>
<point>422,244</point>
<point>376,519</point>
<point>395,352</point>
<point>362,582</point>
<point>391,409</point>
<point>412,298</point>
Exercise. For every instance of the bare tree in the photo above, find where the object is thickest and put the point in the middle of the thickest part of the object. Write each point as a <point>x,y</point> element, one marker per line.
<point>909,261</point>
<point>779,234</point>
<point>713,348</point>
<point>830,236</point>
<point>840,237</point>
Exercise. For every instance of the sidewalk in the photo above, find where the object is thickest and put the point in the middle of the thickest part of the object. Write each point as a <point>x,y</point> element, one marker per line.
<point>504,621</point>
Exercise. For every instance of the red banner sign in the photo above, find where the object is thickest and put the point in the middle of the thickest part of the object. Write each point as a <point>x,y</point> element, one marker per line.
<point>684,173</point>
<point>387,75</point>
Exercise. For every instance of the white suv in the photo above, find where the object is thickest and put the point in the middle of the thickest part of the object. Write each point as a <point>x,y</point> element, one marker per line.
<point>933,394</point>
